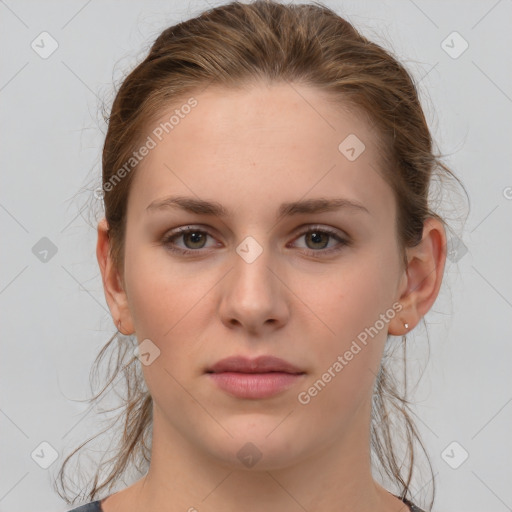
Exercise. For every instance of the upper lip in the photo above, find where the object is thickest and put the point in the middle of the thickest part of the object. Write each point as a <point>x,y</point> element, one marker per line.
<point>261,364</point>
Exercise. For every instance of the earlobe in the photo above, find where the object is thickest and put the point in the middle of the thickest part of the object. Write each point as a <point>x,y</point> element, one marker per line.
<point>423,277</point>
<point>115,295</point>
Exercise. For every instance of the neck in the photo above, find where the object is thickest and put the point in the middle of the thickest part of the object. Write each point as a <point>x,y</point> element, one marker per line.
<point>184,478</point>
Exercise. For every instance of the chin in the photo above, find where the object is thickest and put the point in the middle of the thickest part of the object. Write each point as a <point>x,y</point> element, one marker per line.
<point>262,445</point>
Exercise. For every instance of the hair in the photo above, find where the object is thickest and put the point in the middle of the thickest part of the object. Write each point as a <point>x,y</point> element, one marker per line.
<point>233,46</point>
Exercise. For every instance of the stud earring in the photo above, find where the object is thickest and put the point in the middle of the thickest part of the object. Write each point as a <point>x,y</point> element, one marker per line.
<point>406,325</point>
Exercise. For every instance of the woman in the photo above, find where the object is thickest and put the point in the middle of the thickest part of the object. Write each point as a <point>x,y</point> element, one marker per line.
<point>266,174</point>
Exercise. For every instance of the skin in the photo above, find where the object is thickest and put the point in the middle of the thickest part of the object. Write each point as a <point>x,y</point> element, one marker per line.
<point>251,150</point>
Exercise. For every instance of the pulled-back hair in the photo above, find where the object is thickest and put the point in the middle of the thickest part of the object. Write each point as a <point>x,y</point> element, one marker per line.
<point>232,46</point>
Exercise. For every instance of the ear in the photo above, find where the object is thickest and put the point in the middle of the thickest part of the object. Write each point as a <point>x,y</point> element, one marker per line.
<point>422,279</point>
<point>112,283</point>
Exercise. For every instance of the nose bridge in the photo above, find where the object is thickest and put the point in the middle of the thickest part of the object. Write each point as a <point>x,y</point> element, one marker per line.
<point>252,277</point>
<point>253,294</point>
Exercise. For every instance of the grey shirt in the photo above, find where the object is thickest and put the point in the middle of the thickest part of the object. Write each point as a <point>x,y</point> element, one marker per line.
<point>95,506</point>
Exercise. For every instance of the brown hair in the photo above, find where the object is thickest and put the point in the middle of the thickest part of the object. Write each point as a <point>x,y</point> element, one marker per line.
<point>237,44</point>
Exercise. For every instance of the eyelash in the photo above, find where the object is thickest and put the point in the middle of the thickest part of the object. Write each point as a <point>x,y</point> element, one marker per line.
<point>169,239</point>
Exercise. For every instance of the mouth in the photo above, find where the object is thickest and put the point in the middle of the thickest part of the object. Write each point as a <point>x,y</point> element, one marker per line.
<point>261,364</point>
<point>258,378</point>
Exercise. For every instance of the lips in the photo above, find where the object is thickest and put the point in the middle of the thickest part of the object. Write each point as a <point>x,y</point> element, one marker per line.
<point>261,364</point>
<point>256,379</point>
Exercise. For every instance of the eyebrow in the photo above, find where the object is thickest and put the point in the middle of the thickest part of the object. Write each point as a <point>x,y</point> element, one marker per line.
<point>308,206</point>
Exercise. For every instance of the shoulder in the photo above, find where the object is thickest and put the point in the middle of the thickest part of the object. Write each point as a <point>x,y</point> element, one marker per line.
<point>94,506</point>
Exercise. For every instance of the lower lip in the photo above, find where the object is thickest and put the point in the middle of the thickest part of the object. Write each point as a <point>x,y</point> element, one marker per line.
<point>255,385</point>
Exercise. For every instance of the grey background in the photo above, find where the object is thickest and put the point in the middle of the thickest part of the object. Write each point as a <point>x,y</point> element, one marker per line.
<point>54,315</point>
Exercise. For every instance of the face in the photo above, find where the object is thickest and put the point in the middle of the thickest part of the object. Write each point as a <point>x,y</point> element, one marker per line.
<point>312,286</point>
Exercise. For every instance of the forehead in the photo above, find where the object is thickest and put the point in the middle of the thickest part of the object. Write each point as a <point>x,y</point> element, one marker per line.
<point>283,140</point>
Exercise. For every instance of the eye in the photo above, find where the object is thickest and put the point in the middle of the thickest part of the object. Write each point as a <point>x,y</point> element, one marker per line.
<point>318,238</point>
<point>194,239</point>
<point>195,236</point>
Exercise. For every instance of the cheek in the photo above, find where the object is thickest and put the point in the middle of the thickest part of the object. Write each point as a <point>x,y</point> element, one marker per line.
<point>170,303</point>
<point>351,297</point>
<point>349,352</point>
<point>354,304</point>
<point>159,295</point>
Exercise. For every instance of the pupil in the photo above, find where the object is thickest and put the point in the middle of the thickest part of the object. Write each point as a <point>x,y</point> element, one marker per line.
<point>194,237</point>
<point>316,237</point>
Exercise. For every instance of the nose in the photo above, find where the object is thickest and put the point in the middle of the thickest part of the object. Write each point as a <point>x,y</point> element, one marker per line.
<point>254,295</point>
